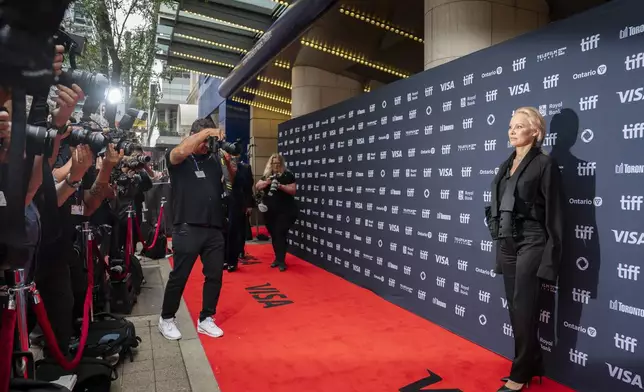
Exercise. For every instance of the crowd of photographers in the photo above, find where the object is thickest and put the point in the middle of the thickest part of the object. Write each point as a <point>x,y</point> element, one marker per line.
<point>79,173</point>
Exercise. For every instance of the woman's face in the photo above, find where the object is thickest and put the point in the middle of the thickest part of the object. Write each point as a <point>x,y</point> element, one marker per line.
<point>521,133</point>
<point>275,164</point>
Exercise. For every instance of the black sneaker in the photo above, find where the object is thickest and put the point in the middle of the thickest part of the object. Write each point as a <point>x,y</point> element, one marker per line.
<point>231,268</point>
<point>274,264</point>
<point>282,267</point>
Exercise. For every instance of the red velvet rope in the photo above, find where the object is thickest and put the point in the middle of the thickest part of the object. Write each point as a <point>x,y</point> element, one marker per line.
<point>156,232</point>
<point>50,338</point>
<point>7,334</point>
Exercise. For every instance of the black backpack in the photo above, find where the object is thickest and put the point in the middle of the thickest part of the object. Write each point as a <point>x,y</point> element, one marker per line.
<point>93,374</point>
<point>159,251</point>
<point>108,335</point>
<point>23,385</point>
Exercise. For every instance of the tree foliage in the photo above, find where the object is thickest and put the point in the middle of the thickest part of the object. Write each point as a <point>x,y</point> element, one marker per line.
<point>123,47</point>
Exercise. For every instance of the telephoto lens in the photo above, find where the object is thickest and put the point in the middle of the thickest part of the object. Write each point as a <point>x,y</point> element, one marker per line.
<point>136,161</point>
<point>40,140</point>
<point>95,140</point>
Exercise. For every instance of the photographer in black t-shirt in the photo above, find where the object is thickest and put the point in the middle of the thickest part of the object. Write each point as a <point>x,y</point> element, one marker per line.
<point>277,191</point>
<point>199,181</point>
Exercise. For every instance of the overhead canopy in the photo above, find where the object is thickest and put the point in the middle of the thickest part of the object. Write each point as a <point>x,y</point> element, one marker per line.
<point>372,41</point>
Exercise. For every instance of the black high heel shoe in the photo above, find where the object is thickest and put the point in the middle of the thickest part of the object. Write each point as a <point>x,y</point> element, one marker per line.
<point>506,379</point>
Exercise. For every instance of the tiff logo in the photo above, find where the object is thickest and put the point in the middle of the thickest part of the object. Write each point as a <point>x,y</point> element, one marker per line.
<point>634,61</point>
<point>550,140</point>
<point>465,218</point>
<point>462,265</point>
<point>633,131</point>
<point>588,103</point>
<point>589,43</point>
<point>581,296</point>
<point>468,79</point>
<point>586,168</point>
<point>447,106</point>
<point>442,237</point>
<point>490,145</point>
<point>625,343</point>
<point>466,171</point>
<point>444,194</point>
<point>484,296</point>
<point>446,149</point>
<point>468,123</point>
<point>490,96</point>
<point>440,282</point>
<point>550,81</point>
<point>518,64</point>
<point>459,310</point>
<point>577,357</point>
<point>584,232</point>
<point>486,246</point>
<point>429,91</point>
<point>629,272</point>
<point>631,203</point>
<point>507,330</point>
<point>427,172</point>
<point>544,316</point>
<point>487,196</point>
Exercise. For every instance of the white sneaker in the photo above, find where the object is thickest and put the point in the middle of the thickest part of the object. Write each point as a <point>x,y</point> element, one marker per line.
<point>208,327</point>
<point>168,328</point>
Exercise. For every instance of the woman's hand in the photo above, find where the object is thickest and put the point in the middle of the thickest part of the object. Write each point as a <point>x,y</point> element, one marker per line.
<point>112,158</point>
<point>81,162</point>
<point>66,101</point>
<point>261,184</point>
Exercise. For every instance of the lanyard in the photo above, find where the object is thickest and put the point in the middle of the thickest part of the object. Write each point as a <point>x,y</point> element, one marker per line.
<point>194,160</point>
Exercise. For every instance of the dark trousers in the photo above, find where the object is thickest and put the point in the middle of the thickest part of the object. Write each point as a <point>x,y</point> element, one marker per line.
<point>278,226</point>
<point>53,278</point>
<point>189,242</point>
<point>236,236</point>
<point>519,259</point>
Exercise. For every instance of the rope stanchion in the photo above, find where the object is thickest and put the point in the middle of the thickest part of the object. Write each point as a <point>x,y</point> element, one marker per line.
<point>41,315</point>
<point>156,232</point>
<point>7,334</point>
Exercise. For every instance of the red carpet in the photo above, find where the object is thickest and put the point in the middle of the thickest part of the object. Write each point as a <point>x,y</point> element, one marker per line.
<point>333,337</point>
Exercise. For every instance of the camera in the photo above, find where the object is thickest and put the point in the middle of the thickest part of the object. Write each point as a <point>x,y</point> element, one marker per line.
<point>214,144</point>
<point>83,134</point>
<point>136,161</point>
<point>40,140</point>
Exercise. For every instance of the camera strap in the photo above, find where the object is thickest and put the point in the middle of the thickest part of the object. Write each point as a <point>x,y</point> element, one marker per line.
<point>228,185</point>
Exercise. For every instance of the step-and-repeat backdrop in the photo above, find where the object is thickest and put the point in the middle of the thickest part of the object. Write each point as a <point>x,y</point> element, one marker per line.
<point>392,187</point>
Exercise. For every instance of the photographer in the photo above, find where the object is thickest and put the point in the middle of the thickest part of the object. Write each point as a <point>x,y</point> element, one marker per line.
<point>277,189</point>
<point>200,174</point>
<point>240,207</point>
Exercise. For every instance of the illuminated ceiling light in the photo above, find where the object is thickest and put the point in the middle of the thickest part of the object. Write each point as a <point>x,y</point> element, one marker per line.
<point>212,43</point>
<point>283,64</point>
<point>367,89</point>
<point>354,57</point>
<point>286,3</point>
<point>264,94</point>
<point>274,82</point>
<point>378,23</point>
<point>261,106</point>
<point>178,68</point>
<point>224,22</point>
<point>203,59</point>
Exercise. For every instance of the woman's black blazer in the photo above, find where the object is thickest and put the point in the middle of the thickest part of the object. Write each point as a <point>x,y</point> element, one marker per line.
<point>538,196</point>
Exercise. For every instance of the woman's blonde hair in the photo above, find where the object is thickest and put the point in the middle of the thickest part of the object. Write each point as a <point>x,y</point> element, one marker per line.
<point>268,170</point>
<point>536,121</point>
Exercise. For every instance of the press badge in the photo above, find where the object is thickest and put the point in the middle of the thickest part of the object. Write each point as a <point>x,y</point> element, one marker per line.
<point>200,174</point>
<point>3,200</point>
<point>78,209</point>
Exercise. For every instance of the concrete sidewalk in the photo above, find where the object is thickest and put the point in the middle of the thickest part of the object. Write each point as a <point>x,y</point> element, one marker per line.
<point>161,365</point>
